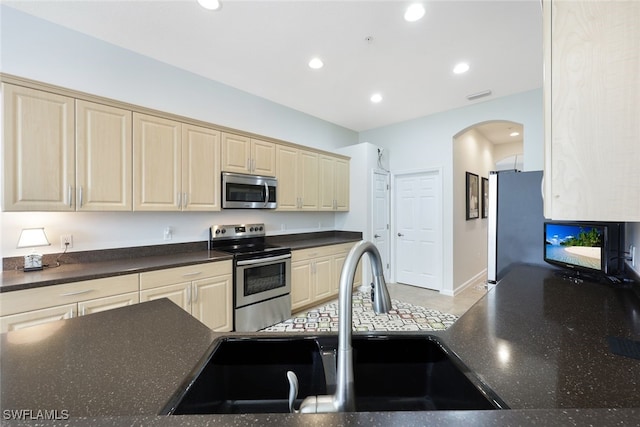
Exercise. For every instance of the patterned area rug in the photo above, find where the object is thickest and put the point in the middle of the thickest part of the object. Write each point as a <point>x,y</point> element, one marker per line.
<point>403,317</point>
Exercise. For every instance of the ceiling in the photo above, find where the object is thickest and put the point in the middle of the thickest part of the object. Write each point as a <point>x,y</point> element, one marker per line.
<point>263,47</point>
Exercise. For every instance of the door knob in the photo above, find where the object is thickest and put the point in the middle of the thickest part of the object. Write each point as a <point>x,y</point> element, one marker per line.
<point>376,236</point>
<point>400,234</point>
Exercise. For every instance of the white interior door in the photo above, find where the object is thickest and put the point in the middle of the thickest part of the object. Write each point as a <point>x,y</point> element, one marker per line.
<point>418,239</point>
<point>380,221</point>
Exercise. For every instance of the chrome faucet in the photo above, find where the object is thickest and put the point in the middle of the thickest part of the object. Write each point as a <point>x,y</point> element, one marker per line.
<point>343,400</point>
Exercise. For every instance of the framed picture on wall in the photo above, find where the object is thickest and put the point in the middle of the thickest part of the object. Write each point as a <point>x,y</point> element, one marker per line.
<point>472,190</point>
<point>485,197</point>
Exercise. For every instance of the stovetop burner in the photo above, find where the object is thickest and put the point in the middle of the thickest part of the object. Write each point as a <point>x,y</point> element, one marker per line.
<point>243,241</point>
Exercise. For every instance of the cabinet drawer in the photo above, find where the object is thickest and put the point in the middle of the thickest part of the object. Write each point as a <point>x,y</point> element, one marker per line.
<point>312,253</point>
<point>49,296</point>
<point>184,274</point>
<point>343,248</point>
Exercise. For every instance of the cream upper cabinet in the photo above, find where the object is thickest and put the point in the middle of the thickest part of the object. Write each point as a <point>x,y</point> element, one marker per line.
<point>242,154</point>
<point>297,179</point>
<point>157,161</point>
<point>334,183</point>
<point>287,167</point>
<point>342,184</point>
<point>308,171</point>
<point>592,106</point>
<point>103,158</point>
<point>38,144</point>
<point>200,168</point>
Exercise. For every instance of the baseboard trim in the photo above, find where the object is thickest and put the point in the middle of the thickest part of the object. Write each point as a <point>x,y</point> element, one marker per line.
<point>479,279</point>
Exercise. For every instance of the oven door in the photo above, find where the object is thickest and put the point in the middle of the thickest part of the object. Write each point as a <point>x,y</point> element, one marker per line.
<point>262,279</point>
<point>241,191</point>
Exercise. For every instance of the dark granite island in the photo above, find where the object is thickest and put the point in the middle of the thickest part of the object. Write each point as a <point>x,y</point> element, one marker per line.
<point>535,340</point>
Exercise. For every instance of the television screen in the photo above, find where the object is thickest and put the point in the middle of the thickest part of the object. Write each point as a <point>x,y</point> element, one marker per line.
<point>576,246</point>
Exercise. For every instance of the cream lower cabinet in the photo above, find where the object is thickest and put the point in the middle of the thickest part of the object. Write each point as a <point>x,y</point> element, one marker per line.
<point>203,290</point>
<point>30,307</point>
<point>315,274</point>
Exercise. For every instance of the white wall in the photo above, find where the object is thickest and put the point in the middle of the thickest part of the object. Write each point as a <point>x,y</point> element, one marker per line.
<point>427,142</point>
<point>472,152</point>
<point>39,50</point>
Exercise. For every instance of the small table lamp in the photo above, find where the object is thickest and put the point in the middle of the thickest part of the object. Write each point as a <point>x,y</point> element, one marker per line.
<point>32,238</point>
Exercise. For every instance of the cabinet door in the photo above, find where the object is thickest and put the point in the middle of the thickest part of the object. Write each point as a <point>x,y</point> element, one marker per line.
<point>200,169</point>
<point>103,158</point>
<point>179,294</point>
<point>301,282</point>
<point>39,158</point>
<point>326,185</point>
<point>157,163</point>
<point>236,153</point>
<point>592,96</point>
<point>263,156</point>
<point>37,317</point>
<point>308,180</point>
<point>213,302</point>
<point>323,277</point>
<point>287,168</point>
<point>342,183</point>
<point>108,303</point>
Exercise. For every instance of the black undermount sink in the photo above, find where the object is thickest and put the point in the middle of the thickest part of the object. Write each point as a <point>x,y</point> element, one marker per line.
<point>391,373</point>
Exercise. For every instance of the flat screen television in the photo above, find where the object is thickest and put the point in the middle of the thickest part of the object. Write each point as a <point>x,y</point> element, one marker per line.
<point>581,247</point>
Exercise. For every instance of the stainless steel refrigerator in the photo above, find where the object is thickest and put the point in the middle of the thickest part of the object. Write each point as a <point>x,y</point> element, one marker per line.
<point>515,228</point>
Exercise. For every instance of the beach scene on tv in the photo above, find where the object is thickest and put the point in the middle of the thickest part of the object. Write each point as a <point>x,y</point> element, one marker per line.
<point>578,245</point>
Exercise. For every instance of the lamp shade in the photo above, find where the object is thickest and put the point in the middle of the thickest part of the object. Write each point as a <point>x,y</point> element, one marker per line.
<point>32,237</point>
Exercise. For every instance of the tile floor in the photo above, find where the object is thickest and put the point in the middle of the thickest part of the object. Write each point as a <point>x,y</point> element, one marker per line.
<point>457,305</point>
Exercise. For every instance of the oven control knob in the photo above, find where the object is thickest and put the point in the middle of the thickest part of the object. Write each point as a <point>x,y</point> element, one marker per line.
<point>218,231</point>
<point>224,230</point>
<point>252,229</point>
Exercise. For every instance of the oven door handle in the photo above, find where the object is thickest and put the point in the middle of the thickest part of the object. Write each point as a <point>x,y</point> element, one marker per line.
<point>263,260</point>
<point>266,194</point>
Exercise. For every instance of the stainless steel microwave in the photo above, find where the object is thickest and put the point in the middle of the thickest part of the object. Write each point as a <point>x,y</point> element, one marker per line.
<point>241,191</point>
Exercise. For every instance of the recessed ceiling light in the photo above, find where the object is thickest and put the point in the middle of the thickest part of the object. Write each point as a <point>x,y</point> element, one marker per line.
<point>376,98</point>
<point>514,134</point>
<point>316,63</point>
<point>210,4</point>
<point>414,12</point>
<point>460,68</point>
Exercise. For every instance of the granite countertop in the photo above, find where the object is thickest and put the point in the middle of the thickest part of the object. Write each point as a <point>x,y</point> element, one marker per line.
<point>13,280</point>
<point>540,341</point>
<point>138,260</point>
<point>536,340</point>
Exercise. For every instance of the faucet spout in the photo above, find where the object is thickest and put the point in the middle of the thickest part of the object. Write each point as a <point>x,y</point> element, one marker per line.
<point>343,400</point>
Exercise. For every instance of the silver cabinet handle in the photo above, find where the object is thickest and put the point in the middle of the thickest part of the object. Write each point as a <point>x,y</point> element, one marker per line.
<point>69,294</point>
<point>80,196</point>
<point>185,199</point>
<point>179,200</point>
<point>189,294</point>
<point>400,234</point>
<point>375,236</point>
<point>194,273</point>
<point>69,195</point>
<point>195,293</point>
<point>82,312</point>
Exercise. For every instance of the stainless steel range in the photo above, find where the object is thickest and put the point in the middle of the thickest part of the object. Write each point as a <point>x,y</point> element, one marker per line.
<point>261,275</point>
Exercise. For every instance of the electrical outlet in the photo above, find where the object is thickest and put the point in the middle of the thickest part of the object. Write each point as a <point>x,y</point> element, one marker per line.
<point>66,241</point>
<point>168,233</point>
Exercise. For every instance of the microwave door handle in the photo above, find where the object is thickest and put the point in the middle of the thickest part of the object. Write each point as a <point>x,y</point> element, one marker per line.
<point>266,194</point>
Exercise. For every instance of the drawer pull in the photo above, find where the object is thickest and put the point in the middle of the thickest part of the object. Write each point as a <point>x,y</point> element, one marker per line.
<point>195,273</point>
<point>69,294</point>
